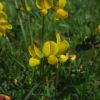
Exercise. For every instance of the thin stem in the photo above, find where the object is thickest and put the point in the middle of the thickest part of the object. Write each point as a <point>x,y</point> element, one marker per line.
<point>43,28</point>
<point>30,30</point>
<point>21,25</point>
<point>23,31</point>
<point>10,45</point>
<point>57,78</point>
<point>95,58</point>
<point>33,88</point>
<point>43,25</point>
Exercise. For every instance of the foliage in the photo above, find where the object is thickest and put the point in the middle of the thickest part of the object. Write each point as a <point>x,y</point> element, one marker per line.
<point>76,79</point>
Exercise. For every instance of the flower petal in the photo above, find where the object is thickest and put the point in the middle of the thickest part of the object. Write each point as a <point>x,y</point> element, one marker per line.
<point>63,46</point>
<point>50,48</point>
<point>53,48</point>
<point>34,51</point>
<point>34,62</point>
<point>6,25</point>
<point>43,4</point>
<point>60,14</point>
<point>43,12</point>
<point>63,58</point>
<point>62,3</point>
<point>3,15</point>
<point>31,50</point>
<point>38,52</point>
<point>58,38</point>
<point>52,59</point>
<point>46,48</point>
<point>2,20</point>
<point>2,32</point>
<point>1,6</point>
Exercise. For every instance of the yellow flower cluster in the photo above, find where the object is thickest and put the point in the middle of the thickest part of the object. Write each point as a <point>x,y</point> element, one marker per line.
<point>59,12</point>
<point>4,24</point>
<point>54,52</point>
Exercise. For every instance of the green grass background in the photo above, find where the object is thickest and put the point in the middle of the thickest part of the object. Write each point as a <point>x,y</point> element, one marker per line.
<point>65,81</point>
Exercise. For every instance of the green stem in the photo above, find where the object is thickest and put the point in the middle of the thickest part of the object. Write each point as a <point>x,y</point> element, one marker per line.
<point>21,25</point>
<point>33,88</point>
<point>23,31</point>
<point>10,45</point>
<point>57,78</point>
<point>43,25</point>
<point>30,30</point>
<point>43,29</point>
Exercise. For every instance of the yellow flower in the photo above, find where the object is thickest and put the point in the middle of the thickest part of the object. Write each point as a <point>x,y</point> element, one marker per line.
<point>62,45</point>
<point>4,24</point>
<point>52,59</point>
<point>1,6</point>
<point>35,52</point>
<point>60,13</point>
<point>55,51</point>
<point>50,48</point>
<point>44,5</point>
<point>36,55</point>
